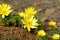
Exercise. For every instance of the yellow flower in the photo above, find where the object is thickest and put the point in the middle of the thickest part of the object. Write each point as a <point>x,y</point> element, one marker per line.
<point>52,23</point>
<point>55,36</point>
<point>41,33</point>
<point>28,18</point>
<point>21,14</point>
<point>4,10</point>
<point>30,11</point>
<point>30,23</point>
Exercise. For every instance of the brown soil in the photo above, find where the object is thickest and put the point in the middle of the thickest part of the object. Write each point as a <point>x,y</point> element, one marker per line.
<point>15,33</point>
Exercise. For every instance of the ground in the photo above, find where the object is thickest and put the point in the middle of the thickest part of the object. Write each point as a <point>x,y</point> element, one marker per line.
<point>15,33</point>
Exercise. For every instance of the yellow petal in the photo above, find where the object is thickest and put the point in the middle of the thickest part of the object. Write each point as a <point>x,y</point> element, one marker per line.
<point>41,33</point>
<point>24,26</point>
<point>21,14</point>
<point>33,27</point>
<point>28,29</point>
<point>8,12</point>
<point>52,23</point>
<point>55,36</point>
<point>3,16</point>
<point>34,12</point>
